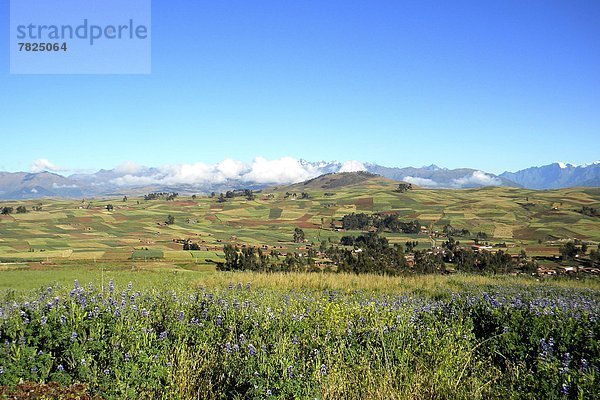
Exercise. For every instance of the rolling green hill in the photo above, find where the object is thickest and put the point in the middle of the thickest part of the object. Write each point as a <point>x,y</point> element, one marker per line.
<point>85,230</point>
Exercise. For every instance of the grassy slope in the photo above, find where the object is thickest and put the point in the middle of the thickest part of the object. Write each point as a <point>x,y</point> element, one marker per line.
<point>69,230</point>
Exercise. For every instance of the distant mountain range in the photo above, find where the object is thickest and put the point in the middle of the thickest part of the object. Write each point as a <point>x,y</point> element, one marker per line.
<point>556,176</point>
<point>133,179</point>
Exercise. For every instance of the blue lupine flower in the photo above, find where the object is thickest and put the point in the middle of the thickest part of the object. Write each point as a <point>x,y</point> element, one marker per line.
<point>127,356</point>
<point>323,369</point>
<point>584,364</point>
<point>74,336</point>
<point>163,335</point>
<point>106,371</point>
<point>290,372</point>
<point>252,349</point>
<point>60,367</point>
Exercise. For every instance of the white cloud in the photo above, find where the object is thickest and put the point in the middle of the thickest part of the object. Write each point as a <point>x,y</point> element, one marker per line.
<point>57,186</point>
<point>131,180</point>
<point>231,169</point>
<point>285,170</point>
<point>130,167</point>
<point>424,182</point>
<point>42,164</point>
<point>477,178</point>
<point>34,190</point>
<point>281,171</point>
<point>352,166</point>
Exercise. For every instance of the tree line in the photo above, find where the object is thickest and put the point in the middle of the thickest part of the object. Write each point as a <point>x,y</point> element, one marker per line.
<point>372,253</point>
<point>380,222</point>
<point>169,196</point>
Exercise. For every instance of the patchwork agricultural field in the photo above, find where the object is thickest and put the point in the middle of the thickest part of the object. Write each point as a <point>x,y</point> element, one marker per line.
<point>135,230</point>
<point>104,302</point>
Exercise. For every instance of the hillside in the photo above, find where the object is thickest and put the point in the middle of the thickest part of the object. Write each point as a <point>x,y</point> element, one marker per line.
<point>76,230</point>
<point>339,181</point>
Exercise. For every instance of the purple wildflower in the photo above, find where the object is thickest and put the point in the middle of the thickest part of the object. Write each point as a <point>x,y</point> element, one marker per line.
<point>584,364</point>
<point>252,349</point>
<point>323,369</point>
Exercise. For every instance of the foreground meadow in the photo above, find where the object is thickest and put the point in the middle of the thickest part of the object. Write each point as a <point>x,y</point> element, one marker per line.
<point>244,335</point>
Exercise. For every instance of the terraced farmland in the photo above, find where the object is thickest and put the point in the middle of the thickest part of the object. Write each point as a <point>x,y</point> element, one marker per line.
<point>85,230</point>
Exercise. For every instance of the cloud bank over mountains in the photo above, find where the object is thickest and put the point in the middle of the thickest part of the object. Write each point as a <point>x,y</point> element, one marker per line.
<point>474,179</point>
<point>43,164</point>
<point>281,171</point>
<point>44,179</point>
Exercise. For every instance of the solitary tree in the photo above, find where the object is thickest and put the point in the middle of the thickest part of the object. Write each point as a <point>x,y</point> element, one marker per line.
<point>170,220</point>
<point>21,210</point>
<point>568,251</point>
<point>298,235</point>
<point>7,210</point>
<point>110,207</point>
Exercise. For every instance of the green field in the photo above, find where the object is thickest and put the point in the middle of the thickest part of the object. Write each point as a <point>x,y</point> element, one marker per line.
<point>155,333</point>
<point>147,319</point>
<point>84,230</point>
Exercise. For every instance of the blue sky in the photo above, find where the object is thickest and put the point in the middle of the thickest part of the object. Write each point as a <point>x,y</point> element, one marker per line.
<point>497,86</point>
